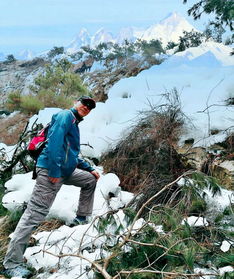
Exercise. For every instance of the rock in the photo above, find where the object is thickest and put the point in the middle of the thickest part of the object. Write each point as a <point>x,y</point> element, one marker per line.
<point>224,172</point>
<point>195,156</point>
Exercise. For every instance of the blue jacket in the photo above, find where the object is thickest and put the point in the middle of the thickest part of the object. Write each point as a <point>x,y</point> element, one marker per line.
<point>60,155</point>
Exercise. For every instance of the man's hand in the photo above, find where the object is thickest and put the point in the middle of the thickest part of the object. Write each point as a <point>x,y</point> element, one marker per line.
<point>54,179</point>
<point>96,174</point>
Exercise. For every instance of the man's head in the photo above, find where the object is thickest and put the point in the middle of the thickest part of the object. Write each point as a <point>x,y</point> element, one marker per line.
<point>84,105</point>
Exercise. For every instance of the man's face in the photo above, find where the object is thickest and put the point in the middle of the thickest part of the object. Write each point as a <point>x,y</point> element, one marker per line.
<point>83,110</point>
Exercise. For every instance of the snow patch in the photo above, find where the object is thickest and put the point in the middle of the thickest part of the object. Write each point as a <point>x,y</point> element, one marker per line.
<point>225,246</point>
<point>195,221</point>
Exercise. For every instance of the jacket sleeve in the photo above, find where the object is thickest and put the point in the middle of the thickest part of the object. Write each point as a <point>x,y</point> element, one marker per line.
<point>56,139</point>
<point>84,165</point>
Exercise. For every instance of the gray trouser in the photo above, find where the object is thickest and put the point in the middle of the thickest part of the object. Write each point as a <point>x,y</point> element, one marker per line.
<point>41,200</point>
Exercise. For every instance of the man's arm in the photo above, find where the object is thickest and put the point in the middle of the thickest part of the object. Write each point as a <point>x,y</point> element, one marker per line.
<point>96,174</point>
<point>54,179</point>
<point>86,166</point>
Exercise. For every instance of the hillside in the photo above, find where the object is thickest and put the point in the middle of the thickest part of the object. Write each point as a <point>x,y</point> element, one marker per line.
<point>189,226</point>
<point>161,138</point>
<point>18,75</point>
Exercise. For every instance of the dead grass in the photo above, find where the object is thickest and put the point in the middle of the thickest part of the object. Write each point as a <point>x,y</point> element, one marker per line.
<point>49,225</point>
<point>4,238</point>
<point>146,159</point>
<point>12,127</point>
<point>148,150</point>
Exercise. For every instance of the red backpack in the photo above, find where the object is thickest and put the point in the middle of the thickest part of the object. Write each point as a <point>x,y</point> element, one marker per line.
<point>37,143</point>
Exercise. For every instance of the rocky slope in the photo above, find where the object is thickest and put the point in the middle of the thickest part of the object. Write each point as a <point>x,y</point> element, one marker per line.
<point>18,75</point>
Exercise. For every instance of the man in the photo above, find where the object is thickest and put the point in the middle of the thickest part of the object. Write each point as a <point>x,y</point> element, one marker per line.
<point>57,164</point>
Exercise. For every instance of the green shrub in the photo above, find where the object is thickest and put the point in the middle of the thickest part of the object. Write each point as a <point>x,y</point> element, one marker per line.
<point>31,104</point>
<point>60,80</point>
<point>58,86</point>
<point>198,207</point>
<point>62,101</point>
<point>225,259</point>
<point>13,101</point>
<point>3,210</point>
<point>229,210</point>
<point>50,99</point>
<point>173,251</point>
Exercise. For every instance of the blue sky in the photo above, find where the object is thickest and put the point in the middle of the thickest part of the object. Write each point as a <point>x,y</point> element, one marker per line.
<point>41,24</point>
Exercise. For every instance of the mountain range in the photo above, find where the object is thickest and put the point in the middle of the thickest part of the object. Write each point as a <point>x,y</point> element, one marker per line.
<point>168,29</point>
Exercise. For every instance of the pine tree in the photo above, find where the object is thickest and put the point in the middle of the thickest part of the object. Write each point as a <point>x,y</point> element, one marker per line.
<point>223,10</point>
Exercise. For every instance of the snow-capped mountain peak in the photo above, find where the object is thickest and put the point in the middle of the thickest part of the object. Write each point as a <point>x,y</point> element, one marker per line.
<point>81,39</point>
<point>101,36</point>
<point>83,32</point>
<point>168,29</point>
<point>126,33</point>
<point>172,19</point>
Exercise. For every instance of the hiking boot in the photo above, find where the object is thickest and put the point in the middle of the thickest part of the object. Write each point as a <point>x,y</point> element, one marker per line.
<point>19,271</point>
<point>79,220</point>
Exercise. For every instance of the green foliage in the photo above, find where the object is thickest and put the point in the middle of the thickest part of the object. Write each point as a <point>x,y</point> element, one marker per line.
<point>152,250</point>
<point>103,46</point>
<point>218,218</point>
<point>110,51</point>
<point>49,99</point>
<point>30,104</point>
<point>109,221</point>
<point>229,210</point>
<point>198,182</point>
<point>60,80</point>
<point>122,51</point>
<point>223,217</point>
<point>192,193</point>
<point>167,217</point>
<point>55,51</point>
<point>13,101</point>
<point>77,55</point>
<point>95,53</point>
<point>230,100</point>
<point>178,249</point>
<point>129,215</point>
<point>150,48</point>
<point>229,41</point>
<point>225,259</point>
<point>10,59</point>
<point>214,32</point>
<point>189,39</point>
<point>57,87</point>
<point>189,257</point>
<point>198,206</point>
<point>3,210</point>
<point>227,275</point>
<point>171,45</point>
<point>223,10</point>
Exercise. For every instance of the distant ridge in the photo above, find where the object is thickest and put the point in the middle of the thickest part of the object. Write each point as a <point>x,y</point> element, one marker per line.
<point>168,29</point>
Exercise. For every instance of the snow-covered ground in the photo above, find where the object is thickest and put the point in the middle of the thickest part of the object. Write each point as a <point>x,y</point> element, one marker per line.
<point>20,187</point>
<point>203,77</point>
